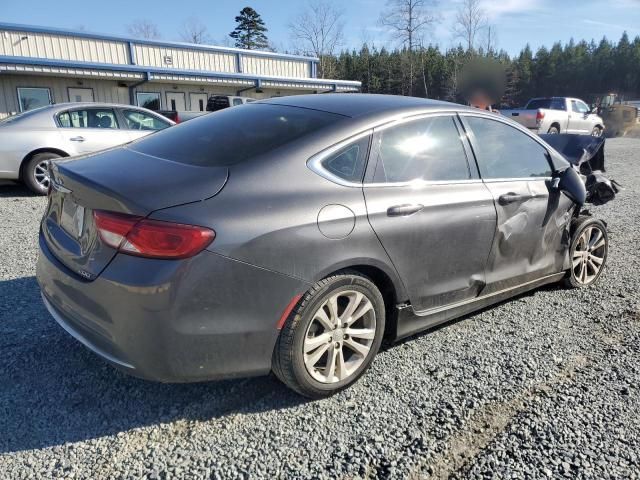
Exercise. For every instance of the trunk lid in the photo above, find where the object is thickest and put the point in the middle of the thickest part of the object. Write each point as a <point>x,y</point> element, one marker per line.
<point>117,180</point>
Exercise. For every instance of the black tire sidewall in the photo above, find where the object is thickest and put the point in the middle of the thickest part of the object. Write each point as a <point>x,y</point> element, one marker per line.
<point>554,131</point>
<point>580,227</point>
<point>28,172</point>
<point>342,282</point>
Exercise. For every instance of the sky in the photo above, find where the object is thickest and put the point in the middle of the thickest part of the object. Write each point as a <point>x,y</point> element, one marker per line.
<point>517,22</point>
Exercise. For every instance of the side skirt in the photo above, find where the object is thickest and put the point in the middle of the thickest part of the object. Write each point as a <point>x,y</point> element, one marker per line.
<point>410,322</point>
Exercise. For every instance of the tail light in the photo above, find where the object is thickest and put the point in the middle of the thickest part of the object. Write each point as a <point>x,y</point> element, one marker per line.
<point>151,238</point>
<point>539,116</point>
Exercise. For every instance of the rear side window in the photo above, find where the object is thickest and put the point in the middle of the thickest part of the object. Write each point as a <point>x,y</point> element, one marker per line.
<point>427,149</point>
<point>548,103</point>
<point>349,162</point>
<point>503,151</point>
<point>89,118</point>
<point>234,135</point>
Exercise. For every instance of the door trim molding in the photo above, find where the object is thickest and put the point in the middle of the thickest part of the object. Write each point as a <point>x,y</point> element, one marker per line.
<point>414,322</point>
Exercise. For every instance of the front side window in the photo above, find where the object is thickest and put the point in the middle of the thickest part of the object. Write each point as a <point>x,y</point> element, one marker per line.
<point>30,98</point>
<point>579,107</point>
<point>137,120</point>
<point>234,135</point>
<point>237,101</point>
<point>104,118</point>
<point>503,151</point>
<point>428,149</point>
<point>148,100</point>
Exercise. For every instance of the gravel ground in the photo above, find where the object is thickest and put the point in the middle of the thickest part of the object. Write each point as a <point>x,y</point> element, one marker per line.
<point>545,385</point>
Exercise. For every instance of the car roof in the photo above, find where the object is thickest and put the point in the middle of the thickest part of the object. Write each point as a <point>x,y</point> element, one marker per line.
<point>65,105</point>
<point>362,104</point>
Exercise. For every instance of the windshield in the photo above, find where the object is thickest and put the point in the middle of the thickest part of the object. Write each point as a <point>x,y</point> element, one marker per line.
<point>233,135</point>
<point>548,103</point>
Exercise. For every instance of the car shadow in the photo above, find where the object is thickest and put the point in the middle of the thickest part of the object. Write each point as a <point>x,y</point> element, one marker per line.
<point>9,188</point>
<point>54,391</point>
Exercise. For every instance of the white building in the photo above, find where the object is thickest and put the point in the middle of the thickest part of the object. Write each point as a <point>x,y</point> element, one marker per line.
<point>41,65</point>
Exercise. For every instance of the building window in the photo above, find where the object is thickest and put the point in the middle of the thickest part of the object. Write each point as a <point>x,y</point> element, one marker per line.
<point>30,98</point>
<point>148,100</point>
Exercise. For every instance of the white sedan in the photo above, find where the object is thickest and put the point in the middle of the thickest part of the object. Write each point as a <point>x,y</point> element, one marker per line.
<point>28,141</point>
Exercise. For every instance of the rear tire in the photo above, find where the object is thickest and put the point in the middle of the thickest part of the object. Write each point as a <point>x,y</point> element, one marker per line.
<point>35,173</point>
<point>553,130</point>
<point>596,132</point>
<point>331,336</point>
<point>588,252</point>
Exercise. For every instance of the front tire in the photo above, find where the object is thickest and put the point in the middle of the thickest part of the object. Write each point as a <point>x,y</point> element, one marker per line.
<point>596,132</point>
<point>588,252</point>
<point>331,337</point>
<point>35,173</point>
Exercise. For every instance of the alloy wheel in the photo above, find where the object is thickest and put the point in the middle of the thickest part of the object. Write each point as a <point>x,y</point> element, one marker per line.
<point>41,174</point>
<point>589,254</point>
<point>339,337</point>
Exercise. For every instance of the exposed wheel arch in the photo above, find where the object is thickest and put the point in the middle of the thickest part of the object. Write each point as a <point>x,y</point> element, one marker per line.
<point>555,125</point>
<point>30,155</point>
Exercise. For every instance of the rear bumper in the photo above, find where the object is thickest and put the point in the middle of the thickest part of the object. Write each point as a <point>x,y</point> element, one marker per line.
<point>203,318</point>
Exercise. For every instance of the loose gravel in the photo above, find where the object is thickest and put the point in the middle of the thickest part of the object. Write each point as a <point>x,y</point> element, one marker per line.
<point>546,385</point>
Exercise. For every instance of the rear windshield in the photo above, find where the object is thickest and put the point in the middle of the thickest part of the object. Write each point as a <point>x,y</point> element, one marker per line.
<point>548,103</point>
<point>234,135</point>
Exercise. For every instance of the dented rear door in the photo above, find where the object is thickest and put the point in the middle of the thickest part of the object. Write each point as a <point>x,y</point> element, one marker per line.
<point>531,237</point>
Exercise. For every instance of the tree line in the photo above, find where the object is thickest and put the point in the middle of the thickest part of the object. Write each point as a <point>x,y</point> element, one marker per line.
<point>413,66</point>
<point>577,69</point>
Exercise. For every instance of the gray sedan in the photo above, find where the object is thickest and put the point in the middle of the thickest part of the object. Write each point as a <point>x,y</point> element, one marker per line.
<point>292,235</point>
<point>29,140</point>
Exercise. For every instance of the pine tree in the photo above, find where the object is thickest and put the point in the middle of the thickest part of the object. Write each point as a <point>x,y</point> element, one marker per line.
<point>250,30</point>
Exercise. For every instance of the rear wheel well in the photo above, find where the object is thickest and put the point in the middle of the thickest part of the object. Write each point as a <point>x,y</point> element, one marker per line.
<point>30,155</point>
<point>555,124</point>
<point>388,291</point>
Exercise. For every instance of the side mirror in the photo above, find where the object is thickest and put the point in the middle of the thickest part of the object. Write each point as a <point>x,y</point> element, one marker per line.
<point>569,182</point>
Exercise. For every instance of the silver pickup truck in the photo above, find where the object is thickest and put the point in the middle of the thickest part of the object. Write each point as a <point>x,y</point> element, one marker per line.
<point>558,115</point>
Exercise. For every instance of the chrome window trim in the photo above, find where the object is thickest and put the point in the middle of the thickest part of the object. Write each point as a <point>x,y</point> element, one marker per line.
<point>314,163</point>
<point>411,118</point>
<point>508,122</point>
<point>517,179</point>
<point>420,183</point>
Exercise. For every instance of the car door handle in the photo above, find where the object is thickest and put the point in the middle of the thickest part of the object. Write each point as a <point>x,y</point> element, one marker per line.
<point>77,139</point>
<point>404,210</point>
<point>511,197</point>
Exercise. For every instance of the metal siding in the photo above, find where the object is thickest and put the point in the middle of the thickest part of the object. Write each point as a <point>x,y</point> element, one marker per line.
<point>275,67</point>
<point>63,47</point>
<point>184,59</point>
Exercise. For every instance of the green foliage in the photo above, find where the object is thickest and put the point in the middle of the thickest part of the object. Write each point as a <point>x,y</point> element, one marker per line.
<point>250,30</point>
<point>575,69</point>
